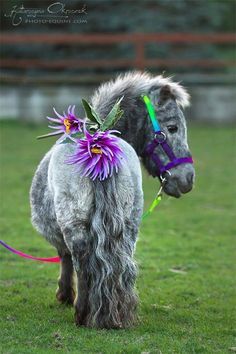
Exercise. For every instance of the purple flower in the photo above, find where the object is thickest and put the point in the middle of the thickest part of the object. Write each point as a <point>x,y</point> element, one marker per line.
<point>98,155</point>
<point>65,124</point>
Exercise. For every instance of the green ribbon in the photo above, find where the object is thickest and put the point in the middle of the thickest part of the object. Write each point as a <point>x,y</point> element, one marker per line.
<point>154,204</point>
<point>152,113</point>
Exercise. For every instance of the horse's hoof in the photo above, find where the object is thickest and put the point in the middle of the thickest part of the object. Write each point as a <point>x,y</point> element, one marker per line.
<point>66,297</point>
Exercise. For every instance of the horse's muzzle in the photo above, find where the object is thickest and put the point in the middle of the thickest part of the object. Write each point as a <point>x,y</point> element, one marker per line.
<point>180,181</point>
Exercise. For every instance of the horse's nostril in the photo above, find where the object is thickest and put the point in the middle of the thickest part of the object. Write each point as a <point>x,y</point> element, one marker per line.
<point>190,177</point>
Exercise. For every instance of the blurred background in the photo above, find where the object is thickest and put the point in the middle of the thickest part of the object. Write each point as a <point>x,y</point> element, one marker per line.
<point>55,52</point>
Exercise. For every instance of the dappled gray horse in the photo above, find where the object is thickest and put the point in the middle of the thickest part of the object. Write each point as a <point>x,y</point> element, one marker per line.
<point>94,224</point>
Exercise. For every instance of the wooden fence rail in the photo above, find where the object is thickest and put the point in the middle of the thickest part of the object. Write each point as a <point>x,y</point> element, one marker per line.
<point>138,40</point>
<point>93,38</point>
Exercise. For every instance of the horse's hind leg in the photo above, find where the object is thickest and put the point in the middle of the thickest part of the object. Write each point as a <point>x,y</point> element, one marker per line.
<point>81,304</point>
<point>79,248</point>
<point>65,292</point>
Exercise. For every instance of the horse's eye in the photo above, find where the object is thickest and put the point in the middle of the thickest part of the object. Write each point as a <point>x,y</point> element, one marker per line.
<point>172,129</point>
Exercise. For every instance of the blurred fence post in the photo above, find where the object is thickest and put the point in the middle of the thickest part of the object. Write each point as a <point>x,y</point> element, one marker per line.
<point>140,55</point>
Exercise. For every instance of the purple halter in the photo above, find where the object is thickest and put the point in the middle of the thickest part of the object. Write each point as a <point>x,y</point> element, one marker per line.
<point>160,140</point>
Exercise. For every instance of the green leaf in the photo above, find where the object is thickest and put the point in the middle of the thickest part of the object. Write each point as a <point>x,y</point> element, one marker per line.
<point>113,116</point>
<point>91,114</point>
<point>48,135</point>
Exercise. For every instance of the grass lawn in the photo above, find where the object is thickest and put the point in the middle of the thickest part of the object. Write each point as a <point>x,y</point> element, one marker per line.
<point>186,257</point>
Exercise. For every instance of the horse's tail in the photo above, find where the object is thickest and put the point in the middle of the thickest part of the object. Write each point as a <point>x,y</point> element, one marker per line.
<point>107,264</point>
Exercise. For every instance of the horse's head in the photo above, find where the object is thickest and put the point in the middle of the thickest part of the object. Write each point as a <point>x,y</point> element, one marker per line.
<point>177,170</point>
<point>168,99</point>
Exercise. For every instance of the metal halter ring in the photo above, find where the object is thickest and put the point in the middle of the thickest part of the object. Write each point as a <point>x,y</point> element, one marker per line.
<point>162,178</point>
<point>160,137</point>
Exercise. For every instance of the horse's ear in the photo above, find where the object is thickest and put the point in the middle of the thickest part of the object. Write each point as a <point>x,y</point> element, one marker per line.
<point>165,94</point>
<point>159,95</point>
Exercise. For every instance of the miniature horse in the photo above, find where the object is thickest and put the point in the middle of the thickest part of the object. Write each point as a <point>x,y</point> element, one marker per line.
<point>94,224</point>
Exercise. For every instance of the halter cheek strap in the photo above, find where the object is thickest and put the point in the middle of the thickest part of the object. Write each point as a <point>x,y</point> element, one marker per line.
<point>160,140</point>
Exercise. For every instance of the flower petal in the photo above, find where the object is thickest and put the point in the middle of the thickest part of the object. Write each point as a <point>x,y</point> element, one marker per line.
<point>96,165</point>
<point>58,114</point>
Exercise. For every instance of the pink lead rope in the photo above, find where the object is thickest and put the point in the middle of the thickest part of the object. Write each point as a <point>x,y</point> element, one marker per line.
<point>24,255</point>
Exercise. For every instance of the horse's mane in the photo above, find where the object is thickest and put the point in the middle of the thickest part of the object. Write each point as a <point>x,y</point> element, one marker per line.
<point>136,83</point>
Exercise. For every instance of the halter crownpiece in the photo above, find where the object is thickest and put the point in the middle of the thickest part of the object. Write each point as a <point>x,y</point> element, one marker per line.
<point>161,140</point>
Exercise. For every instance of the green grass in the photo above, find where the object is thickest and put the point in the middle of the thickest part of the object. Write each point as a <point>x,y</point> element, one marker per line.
<point>188,311</point>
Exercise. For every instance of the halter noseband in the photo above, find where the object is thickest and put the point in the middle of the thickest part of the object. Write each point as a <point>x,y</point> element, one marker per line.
<point>160,140</point>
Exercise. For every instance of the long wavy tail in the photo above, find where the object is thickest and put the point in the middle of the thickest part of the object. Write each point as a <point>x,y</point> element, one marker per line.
<point>108,267</point>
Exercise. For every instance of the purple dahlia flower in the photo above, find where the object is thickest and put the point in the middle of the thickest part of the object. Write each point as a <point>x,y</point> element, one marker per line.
<point>65,124</point>
<point>98,155</point>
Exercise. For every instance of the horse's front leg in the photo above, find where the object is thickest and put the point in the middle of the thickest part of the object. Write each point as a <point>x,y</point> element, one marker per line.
<point>65,292</point>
